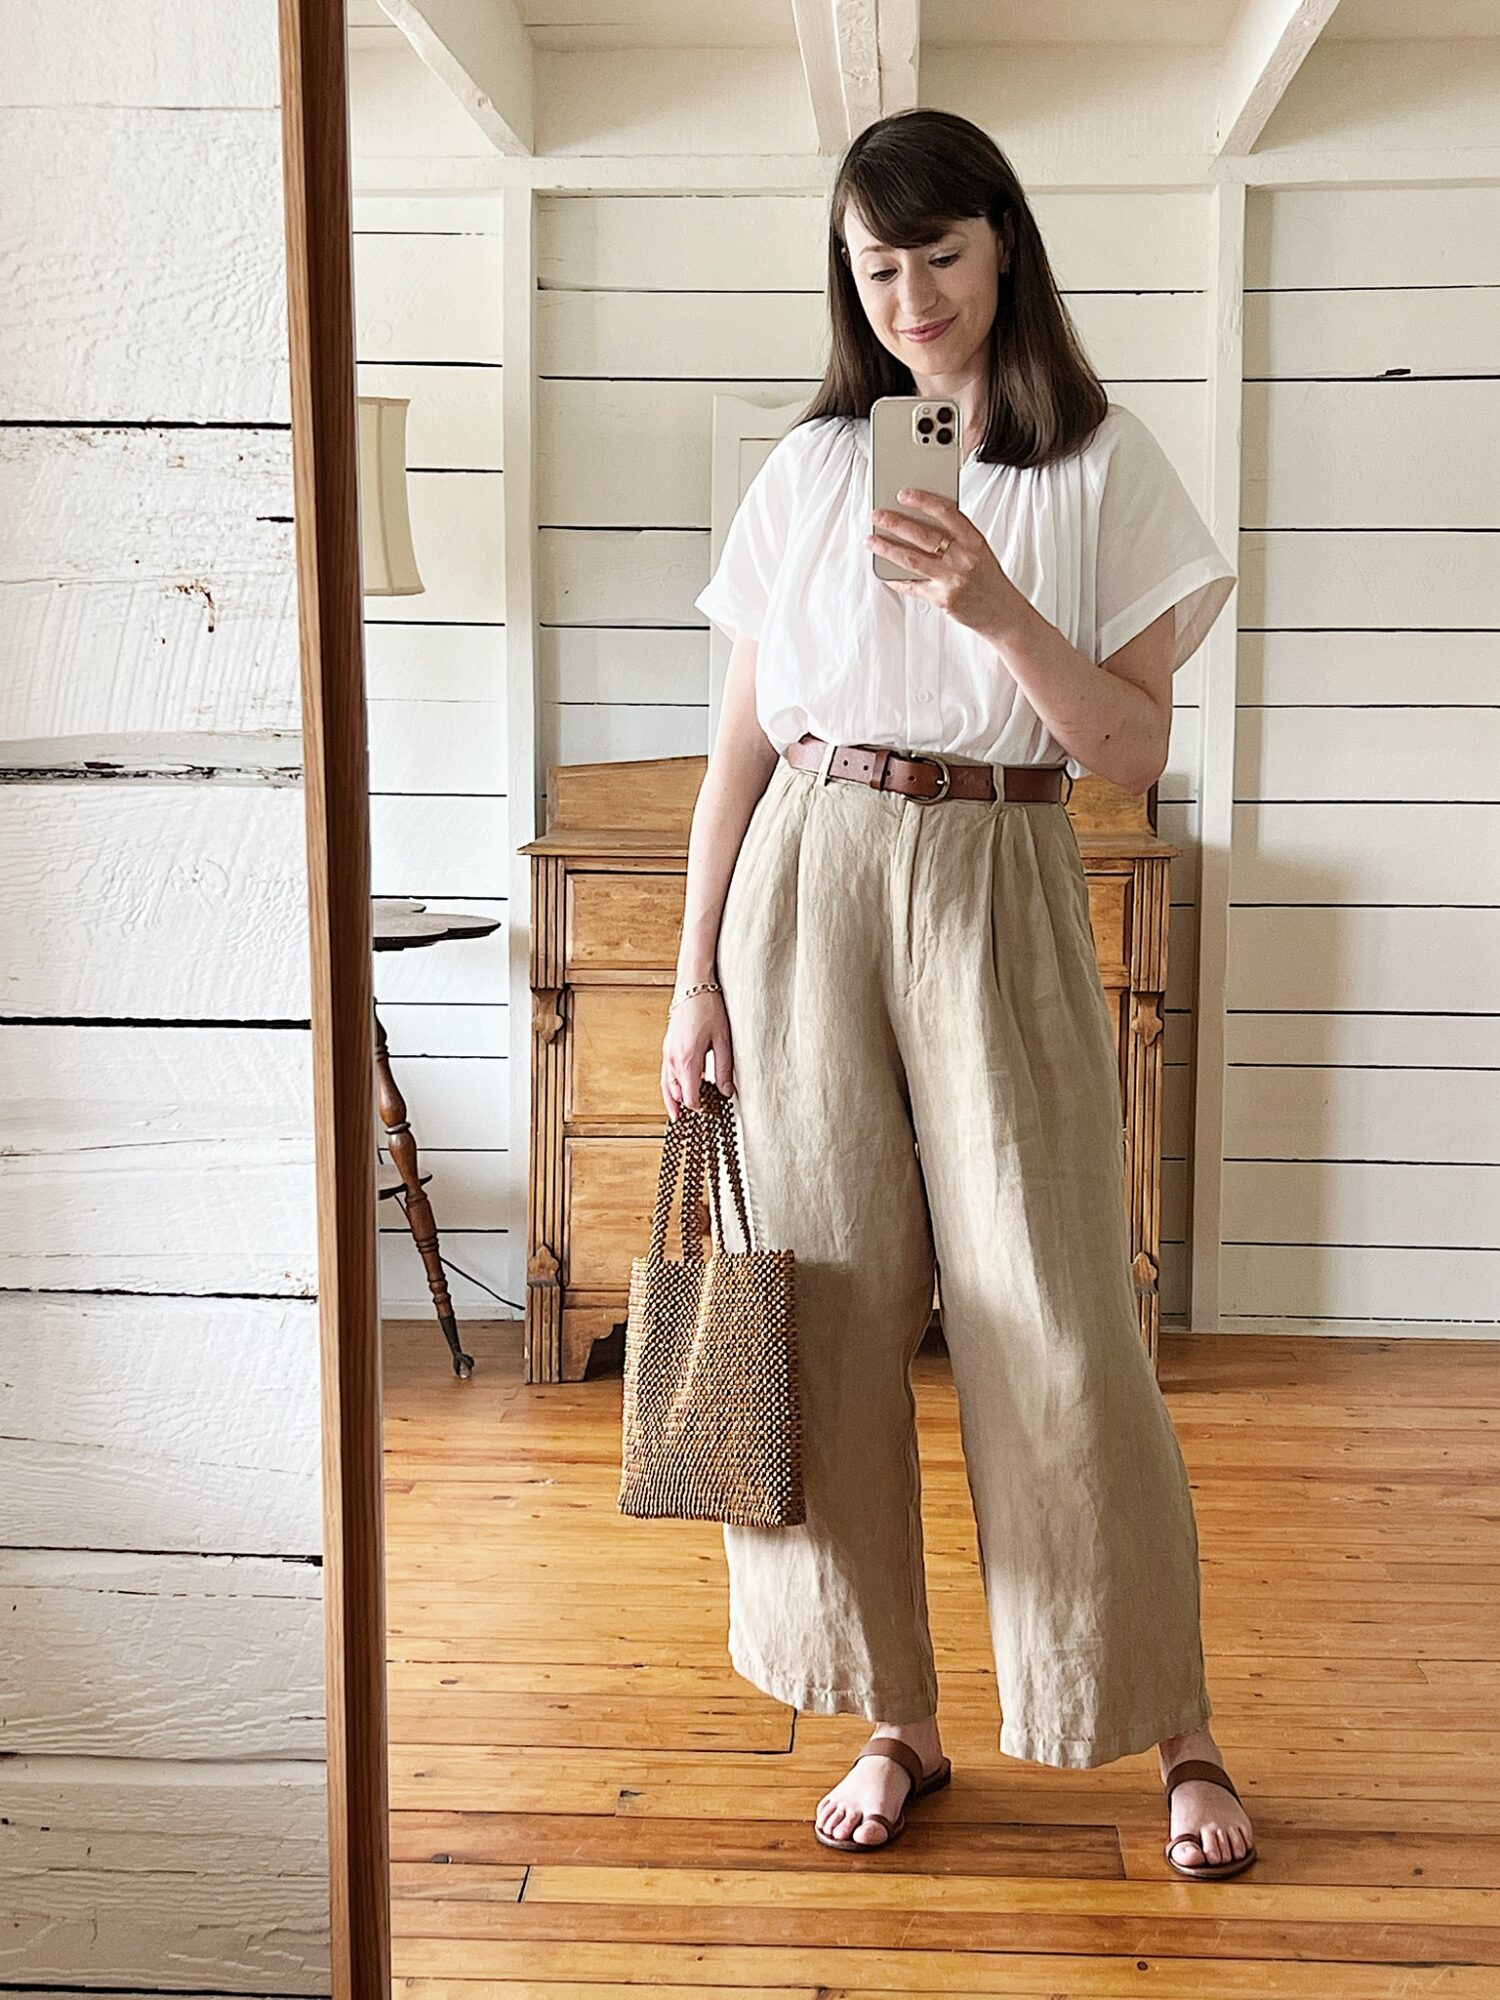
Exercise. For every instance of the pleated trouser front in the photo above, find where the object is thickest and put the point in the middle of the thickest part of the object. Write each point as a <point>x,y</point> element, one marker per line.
<point>924,1064</point>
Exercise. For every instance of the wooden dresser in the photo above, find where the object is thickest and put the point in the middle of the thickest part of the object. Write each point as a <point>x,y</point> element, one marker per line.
<point>607,881</point>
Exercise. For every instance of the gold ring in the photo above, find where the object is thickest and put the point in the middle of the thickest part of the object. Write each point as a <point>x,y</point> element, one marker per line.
<point>942,547</point>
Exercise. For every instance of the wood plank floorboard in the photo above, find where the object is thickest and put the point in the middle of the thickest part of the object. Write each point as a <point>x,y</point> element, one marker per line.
<point>588,1803</point>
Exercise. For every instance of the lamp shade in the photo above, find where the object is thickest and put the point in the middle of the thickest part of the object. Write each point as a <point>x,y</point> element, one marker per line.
<point>388,559</point>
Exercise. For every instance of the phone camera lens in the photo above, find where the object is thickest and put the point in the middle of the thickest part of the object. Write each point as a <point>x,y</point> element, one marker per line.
<point>945,415</point>
<point>945,437</point>
<point>924,426</point>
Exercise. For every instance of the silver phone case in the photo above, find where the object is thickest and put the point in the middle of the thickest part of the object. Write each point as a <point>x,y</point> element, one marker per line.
<point>901,456</point>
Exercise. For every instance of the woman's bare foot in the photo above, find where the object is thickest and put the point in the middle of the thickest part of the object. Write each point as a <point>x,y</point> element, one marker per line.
<point>877,1785</point>
<point>1218,1823</point>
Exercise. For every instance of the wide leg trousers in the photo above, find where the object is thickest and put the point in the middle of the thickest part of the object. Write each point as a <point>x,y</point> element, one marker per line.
<point>924,1065</point>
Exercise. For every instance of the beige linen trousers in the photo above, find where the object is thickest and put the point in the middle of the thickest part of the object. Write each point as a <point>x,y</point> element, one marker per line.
<point>924,1065</point>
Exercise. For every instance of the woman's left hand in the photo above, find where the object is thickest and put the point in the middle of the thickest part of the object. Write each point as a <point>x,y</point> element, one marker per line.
<point>961,572</point>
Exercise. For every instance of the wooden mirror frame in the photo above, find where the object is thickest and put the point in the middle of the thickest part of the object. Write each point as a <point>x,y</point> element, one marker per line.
<point>320,300</point>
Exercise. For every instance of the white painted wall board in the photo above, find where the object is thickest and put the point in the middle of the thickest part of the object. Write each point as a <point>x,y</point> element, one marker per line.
<point>1367,454</point>
<point>157,1159</point>
<point>205,58</point>
<point>1388,855</point>
<point>780,333</point>
<point>1414,1289</point>
<point>428,294</point>
<point>464,1191</point>
<point>160,294</point>
<point>120,1871</point>
<point>438,847</point>
<point>1385,331</point>
<point>425,746</point>
<point>456,1101</point>
<point>114,1654</point>
<point>172,901</point>
<point>1393,580</point>
<point>496,1262</point>
<point>147,581</point>
<point>1368,669</point>
<point>1441,1114</point>
<point>1451,1204</point>
<point>434,663</point>
<point>1387,1041</point>
<point>216,1395</point>
<point>1326,238</point>
<point>1423,960</point>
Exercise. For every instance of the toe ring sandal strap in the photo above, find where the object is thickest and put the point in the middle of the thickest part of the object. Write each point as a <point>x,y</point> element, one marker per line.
<point>1198,1767</point>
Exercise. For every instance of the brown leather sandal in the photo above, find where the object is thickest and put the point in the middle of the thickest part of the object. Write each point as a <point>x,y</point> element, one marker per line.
<point>1203,1871</point>
<point>902,1754</point>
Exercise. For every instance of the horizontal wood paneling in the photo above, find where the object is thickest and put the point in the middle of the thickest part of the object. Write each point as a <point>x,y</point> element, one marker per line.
<point>156,1875</point>
<point>1343,454</point>
<point>429,300</point>
<point>147,581</point>
<point>1362,1172</point>
<point>139,236</point>
<point>158,1391</point>
<point>99,1641</point>
<point>429,289</point>
<point>197,57</point>
<point>1427,960</point>
<point>171,901</point>
<point>175,1160</point>
<point>1380,1284</point>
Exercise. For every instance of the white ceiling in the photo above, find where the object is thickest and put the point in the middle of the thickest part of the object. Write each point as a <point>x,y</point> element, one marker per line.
<point>667,24</point>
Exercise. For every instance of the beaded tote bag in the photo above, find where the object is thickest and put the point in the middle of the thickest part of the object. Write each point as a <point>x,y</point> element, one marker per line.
<point>712,1411</point>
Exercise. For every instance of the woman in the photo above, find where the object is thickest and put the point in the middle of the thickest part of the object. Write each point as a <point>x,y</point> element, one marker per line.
<point>923,1059</point>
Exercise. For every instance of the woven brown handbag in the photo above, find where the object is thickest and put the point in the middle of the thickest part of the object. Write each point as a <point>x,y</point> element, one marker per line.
<point>712,1425</point>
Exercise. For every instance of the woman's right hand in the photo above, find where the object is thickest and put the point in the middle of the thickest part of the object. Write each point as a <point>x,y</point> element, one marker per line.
<point>695,1027</point>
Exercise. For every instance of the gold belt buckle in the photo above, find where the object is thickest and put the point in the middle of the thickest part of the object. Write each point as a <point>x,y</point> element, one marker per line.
<point>923,757</point>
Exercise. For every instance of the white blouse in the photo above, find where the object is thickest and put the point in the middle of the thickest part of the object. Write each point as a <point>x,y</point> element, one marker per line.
<point>1101,542</point>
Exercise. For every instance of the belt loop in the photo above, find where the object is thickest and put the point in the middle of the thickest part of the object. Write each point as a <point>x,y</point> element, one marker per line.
<point>827,761</point>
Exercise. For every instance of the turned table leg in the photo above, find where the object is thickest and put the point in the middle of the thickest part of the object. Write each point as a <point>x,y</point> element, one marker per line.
<point>402,1148</point>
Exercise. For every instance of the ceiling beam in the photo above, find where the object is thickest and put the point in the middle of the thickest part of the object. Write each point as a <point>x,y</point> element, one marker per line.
<point>479,50</point>
<point>1266,47</point>
<point>860,61</point>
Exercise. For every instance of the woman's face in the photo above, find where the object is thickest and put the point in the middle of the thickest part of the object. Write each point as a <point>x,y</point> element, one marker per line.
<point>954,279</point>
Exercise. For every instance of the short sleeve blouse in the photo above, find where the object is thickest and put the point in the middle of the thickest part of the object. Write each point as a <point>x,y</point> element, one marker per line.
<point>1102,542</point>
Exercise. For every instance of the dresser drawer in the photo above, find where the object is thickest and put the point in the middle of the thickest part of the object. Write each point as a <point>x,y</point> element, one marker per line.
<point>614,1071</point>
<point>623,922</point>
<point>610,1187</point>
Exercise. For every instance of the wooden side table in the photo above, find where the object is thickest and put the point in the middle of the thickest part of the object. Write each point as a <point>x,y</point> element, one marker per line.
<point>607,883</point>
<point>408,926</point>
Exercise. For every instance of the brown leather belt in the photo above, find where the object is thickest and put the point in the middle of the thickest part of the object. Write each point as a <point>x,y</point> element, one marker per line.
<point>894,771</point>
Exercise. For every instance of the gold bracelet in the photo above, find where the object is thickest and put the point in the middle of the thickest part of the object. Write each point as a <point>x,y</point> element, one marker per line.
<point>703,986</point>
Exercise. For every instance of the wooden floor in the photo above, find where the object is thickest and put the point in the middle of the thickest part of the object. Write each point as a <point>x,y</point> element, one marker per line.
<point>587,1802</point>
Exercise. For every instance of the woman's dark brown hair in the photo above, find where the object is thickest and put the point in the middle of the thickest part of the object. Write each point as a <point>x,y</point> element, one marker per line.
<point>911,176</point>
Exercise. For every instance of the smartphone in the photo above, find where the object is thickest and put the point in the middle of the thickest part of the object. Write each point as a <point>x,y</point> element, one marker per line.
<point>914,441</point>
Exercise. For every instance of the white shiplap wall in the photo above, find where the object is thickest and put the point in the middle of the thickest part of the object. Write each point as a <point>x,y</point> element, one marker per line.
<point>428,308</point>
<point>1362,1177</point>
<point>163,1795</point>
<point>435,676</point>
